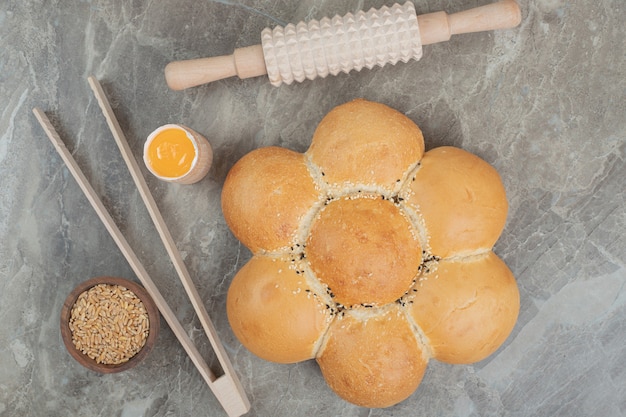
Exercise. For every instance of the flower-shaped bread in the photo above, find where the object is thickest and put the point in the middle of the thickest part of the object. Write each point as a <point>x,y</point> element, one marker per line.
<point>369,255</point>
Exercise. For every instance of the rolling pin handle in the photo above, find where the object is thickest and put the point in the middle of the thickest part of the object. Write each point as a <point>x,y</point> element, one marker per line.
<point>249,61</point>
<point>244,62</point>
<point>439,26</point>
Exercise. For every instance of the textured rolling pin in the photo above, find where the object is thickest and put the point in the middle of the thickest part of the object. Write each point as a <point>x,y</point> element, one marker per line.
<point>314,49</point>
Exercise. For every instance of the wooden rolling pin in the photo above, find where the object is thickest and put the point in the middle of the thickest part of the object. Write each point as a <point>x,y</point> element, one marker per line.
<point>365,39</point>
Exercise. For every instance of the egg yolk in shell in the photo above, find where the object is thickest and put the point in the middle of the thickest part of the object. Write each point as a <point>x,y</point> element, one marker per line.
<point>171,153</point>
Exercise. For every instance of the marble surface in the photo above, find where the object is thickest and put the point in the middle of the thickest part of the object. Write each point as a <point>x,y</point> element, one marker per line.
<point>545,103</point>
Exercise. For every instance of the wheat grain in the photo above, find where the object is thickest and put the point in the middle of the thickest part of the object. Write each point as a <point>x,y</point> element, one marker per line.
<point>109,323</point>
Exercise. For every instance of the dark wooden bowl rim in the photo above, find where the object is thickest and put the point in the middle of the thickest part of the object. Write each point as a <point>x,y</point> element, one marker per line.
<point>86,361</point>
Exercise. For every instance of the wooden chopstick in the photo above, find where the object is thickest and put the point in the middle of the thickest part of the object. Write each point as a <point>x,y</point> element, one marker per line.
<point>167,239</point>
<point>225,388</point>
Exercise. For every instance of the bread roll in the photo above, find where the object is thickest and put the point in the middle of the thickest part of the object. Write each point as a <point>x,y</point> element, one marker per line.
<point>461,200</point>
<point>355,256</point>
<point>373,359</point>
<point>466,307</point>
<point>369,255</point>
<point>353,148</point>
<point>265,197</point>
<point>273,311</point>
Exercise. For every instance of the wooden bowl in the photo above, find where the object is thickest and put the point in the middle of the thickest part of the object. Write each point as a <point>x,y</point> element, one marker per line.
<point>84,359</point>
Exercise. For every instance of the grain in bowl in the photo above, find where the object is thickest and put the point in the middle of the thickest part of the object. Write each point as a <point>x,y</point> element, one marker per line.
<point>109,324</point>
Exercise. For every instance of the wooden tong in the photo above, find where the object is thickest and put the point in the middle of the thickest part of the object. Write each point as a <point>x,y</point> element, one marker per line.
<point>227,388</point>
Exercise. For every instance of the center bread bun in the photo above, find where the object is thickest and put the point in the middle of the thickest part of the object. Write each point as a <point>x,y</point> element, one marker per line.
<point>369,254</point>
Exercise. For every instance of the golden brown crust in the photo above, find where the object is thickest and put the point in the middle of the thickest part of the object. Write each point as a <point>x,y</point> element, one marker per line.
<point>373,362</point>
<point>273,312</point>
<point>461,199</point>
<point>364,261</point>
<point>367,258</point>
<point>366,143</point>
<point>265,197</point>
<point>466,308</point>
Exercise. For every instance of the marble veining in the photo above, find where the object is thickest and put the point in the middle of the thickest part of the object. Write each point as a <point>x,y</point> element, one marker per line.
<point>545,103</point>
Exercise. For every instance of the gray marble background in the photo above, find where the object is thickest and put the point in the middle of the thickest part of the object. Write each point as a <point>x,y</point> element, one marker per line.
<point>545,103</point>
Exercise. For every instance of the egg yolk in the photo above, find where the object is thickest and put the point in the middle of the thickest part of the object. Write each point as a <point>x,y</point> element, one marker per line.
<point>171,153</point>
